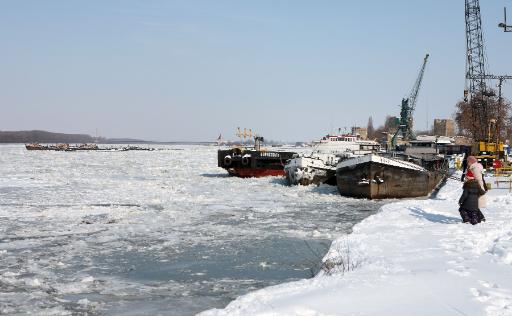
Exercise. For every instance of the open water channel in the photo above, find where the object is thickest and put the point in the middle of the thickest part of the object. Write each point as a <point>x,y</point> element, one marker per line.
<point>162,232</point>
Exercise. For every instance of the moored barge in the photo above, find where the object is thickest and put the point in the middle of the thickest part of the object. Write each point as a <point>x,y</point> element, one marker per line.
<point>400,176</point>
<point>320,166</point>
<point>255,162</point>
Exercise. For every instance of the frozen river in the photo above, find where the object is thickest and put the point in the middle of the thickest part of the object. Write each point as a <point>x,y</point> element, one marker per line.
<point>162,232</point>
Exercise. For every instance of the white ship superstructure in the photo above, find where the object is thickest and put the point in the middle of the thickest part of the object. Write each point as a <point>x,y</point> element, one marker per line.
<point>319,166</point>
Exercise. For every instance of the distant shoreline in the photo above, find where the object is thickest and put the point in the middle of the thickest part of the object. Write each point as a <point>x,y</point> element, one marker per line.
<point>118,143</point>
<point>44,137</point>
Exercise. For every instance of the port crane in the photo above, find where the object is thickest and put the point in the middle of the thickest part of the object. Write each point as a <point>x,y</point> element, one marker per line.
<point>477,79</point>
<point>405,126</point>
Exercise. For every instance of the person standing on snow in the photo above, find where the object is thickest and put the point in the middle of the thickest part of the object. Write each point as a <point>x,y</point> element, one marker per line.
<point>472,197</point>
<point>477,170</point>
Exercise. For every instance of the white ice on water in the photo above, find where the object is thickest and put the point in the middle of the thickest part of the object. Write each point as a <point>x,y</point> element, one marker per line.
<point>161,232</point>
<point>84,233</point>
<point>416,258</point>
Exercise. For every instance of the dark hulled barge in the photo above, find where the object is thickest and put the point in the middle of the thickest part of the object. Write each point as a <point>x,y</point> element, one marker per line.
<point>395,176</point>
<point>248,162</point>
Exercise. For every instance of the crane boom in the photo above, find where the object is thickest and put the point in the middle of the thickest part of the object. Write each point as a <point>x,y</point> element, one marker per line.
<point>413,97</point>
<point>409,104</point>
<point>407,108</point>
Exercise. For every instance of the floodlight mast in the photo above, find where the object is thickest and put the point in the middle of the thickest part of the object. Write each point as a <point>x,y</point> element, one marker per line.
<point>504,25</point>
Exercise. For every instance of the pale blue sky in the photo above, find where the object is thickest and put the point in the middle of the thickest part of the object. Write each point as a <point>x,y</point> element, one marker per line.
<point>189,70</point>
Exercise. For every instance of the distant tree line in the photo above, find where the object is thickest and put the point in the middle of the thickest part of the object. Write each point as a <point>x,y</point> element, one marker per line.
<point>45,137</point>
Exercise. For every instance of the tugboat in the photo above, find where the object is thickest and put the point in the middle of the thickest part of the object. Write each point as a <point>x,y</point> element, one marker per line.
<point>248,162</point>
<point>320,165</point>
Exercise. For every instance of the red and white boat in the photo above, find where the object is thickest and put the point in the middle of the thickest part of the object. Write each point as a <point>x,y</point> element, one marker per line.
<point>248,162</point>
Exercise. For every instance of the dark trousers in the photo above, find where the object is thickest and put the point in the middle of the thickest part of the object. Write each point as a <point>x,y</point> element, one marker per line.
<point>472,216</point>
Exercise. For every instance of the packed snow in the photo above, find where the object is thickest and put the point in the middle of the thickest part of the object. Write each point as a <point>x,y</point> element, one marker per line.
<point>415,257</point>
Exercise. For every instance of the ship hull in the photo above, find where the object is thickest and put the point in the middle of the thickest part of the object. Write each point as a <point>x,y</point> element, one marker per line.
<point>308,176</point>
<point>307,171</point>
<point>246,163</point>
<point>316,169</point>
<point>254,173</point>
<point>378,180</point>
<point>34,148</point>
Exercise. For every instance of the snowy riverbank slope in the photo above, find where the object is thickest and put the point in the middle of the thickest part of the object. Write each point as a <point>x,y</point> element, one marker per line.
<point>414,258</point>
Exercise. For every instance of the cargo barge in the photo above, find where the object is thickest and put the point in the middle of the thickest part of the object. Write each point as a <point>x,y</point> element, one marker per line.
<point>248,162</point>
<point>390,176</point>
<point>320,166</point>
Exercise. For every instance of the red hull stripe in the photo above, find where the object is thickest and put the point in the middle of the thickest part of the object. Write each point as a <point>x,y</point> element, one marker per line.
<point>255,173</point>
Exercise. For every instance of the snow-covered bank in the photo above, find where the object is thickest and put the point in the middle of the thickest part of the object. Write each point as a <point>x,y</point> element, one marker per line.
<point>415,257</point>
